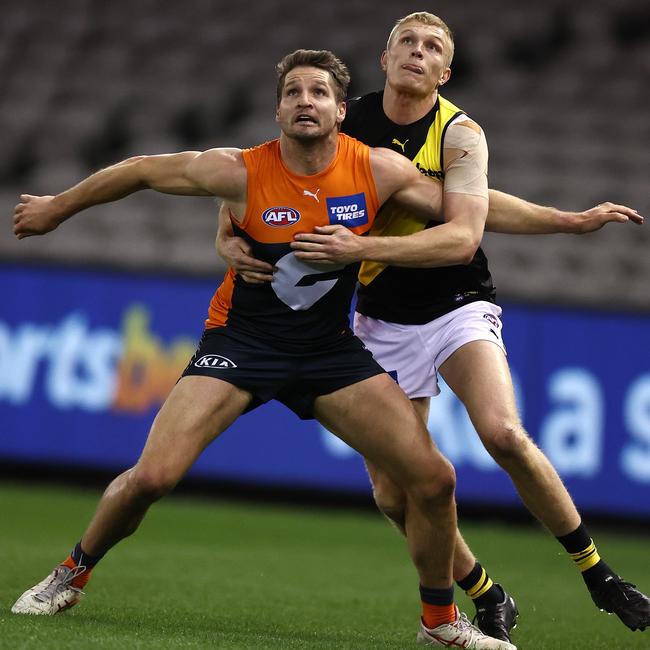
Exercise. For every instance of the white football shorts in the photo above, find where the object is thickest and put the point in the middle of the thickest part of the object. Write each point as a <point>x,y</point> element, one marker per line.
<point>412,354</point>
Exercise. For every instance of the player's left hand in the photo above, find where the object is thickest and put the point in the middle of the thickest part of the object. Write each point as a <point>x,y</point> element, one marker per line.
<point>335,244</point>
<point>237,253</point>
<point>596,217</point>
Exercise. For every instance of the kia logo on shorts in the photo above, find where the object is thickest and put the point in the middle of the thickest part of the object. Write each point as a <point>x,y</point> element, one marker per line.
<point>280,216</point>
<point>215,361</point>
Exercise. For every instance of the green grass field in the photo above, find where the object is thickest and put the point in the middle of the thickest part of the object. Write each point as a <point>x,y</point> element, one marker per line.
<point>204,574</point>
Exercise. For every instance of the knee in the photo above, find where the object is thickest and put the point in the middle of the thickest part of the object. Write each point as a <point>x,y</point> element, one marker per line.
<point>150,484</point>
<point>507,442</point>
<point>437,485</point>
<point>390,499</point>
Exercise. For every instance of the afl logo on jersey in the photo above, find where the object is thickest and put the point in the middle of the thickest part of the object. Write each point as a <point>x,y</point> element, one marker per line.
<point>281,216</point>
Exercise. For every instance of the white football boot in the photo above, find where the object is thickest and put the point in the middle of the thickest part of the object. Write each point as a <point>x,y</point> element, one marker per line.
<point>52,595</point>
<point>460,634</point>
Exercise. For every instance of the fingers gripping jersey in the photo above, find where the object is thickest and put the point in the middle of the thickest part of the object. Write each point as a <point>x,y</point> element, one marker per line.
<point>305,304</point>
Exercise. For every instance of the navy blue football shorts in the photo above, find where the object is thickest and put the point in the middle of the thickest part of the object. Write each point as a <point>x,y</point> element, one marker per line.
<point>294,378</point>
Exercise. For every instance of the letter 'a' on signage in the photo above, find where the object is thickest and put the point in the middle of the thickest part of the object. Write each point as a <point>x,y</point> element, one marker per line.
<point>280,216</point>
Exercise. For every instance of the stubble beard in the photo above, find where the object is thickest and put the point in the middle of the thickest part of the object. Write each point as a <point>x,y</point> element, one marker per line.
<point>310,136</point>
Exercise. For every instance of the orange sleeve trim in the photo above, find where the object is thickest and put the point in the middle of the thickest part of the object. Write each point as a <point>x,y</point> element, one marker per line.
<point>249,161</point>
<point>372,187</point>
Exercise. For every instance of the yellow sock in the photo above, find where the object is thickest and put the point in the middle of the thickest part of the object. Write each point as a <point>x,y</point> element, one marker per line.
<point>586,558</point>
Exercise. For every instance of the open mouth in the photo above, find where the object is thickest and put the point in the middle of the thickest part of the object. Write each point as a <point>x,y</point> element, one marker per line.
<point>305,119</point>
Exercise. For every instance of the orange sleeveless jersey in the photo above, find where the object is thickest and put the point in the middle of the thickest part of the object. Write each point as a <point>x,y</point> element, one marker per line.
<point>305,303</point>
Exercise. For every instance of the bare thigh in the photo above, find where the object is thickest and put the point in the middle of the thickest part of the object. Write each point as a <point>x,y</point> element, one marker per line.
<point>479,375</point>
<point>379,478</point>
<point>197,410</point>
<point>376,418</point>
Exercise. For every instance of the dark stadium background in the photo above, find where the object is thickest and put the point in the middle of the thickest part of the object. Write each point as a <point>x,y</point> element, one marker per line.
<point>98,318</point>
<point>562,92</point>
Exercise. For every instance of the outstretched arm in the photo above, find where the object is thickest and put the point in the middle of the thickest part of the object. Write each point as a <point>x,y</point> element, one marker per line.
<point>512,215</point>
<point>219,172</point>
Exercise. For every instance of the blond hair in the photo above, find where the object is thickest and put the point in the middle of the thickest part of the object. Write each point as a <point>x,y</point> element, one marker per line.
<point>426,18</point>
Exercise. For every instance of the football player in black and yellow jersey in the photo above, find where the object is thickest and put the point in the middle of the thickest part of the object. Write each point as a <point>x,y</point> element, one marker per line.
<point>426,308</point>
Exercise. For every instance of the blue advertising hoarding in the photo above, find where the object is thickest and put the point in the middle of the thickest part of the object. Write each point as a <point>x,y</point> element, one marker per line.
<point>87,358</point>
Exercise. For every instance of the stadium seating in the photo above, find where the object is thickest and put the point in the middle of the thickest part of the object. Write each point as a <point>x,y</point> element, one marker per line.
<point>561,92</point>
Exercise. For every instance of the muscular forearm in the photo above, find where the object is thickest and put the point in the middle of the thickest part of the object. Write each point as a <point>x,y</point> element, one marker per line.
<point>509,214</point>
<point>167,173</point>
<point>512,215</point>
<point>443,245</point>
<point>104,186</point>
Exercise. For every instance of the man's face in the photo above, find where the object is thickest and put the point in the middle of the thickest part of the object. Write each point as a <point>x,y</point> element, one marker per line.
<point>416,61</point>
<point>308,108</point>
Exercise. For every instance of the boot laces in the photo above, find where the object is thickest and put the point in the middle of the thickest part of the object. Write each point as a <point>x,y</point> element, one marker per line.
<point>62,578</point>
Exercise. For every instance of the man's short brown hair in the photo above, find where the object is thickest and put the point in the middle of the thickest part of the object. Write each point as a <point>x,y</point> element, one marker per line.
<point>323,59</point>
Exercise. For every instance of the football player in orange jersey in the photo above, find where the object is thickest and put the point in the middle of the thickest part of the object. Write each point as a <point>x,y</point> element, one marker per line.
<point>246,357</point>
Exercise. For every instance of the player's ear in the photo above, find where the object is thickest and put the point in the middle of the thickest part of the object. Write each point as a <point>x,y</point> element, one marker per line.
<point>444,77</point>
<point>277,113</point>
<point>340,112</point>
<point>383,60</point>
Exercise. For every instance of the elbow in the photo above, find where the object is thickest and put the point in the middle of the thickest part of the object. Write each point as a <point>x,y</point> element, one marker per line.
<point>467,249</point>
<point>139,168</point>
<point>467,257</point>
<point>133,160</point>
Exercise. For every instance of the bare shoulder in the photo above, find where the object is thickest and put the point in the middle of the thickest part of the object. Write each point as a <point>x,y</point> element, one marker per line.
<point>221,156</point>
<point>386,163</point>
<point>222,170</point>
<point>386,157</point>
<point>392,172</point>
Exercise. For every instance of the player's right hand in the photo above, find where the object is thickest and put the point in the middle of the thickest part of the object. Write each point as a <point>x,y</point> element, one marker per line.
<point>596,217</point>
<point>236,252</point>
<point>35,215</point>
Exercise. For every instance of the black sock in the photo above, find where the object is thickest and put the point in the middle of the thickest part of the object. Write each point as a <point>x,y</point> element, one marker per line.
<point>81,558</point>
<point>433,596</point>
<point>479,587</point>
<point>583,552</point>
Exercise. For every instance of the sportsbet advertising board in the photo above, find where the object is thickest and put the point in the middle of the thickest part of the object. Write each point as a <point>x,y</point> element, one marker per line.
<point>86,359</point>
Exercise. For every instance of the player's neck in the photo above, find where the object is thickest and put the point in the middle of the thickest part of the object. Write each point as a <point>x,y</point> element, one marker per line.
<point>405,108</point>
<point>308,157</point>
